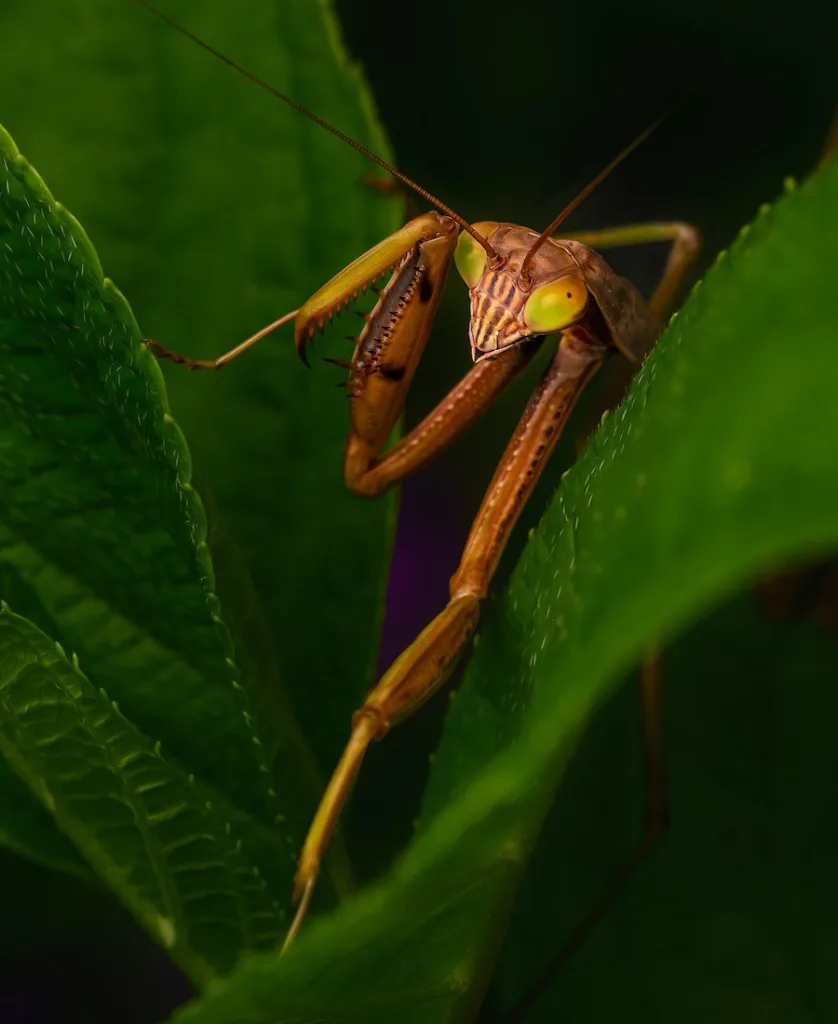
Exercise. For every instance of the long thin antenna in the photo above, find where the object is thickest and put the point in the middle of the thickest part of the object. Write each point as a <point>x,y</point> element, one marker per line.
<point>323,124</point>
<point>586,191</point>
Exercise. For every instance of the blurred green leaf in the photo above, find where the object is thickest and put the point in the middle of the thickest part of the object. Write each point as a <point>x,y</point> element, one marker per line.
<point>217,209</point>
<point>718,465</point>
<point>149,830</point>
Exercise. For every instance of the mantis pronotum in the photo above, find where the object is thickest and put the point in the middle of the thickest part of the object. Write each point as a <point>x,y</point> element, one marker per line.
<point>525,289</point>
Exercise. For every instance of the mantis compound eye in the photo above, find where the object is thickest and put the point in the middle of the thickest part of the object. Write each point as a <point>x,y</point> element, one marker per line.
<point>470,257</point>
<point>557,305</point>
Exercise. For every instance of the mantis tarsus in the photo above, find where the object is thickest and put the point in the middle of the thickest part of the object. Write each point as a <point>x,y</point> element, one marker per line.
<point>524,288</point>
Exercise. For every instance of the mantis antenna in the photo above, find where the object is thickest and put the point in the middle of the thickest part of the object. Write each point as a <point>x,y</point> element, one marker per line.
<point>323,124</point>
<point>586,191</point>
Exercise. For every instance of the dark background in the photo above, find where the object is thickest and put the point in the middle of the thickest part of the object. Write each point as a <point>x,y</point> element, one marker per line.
<point>504,110</point>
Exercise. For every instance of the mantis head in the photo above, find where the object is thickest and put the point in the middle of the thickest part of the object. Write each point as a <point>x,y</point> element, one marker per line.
<point>511,302</point>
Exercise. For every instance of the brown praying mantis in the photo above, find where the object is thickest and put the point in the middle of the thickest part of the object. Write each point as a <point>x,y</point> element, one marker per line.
<point>525,289</point>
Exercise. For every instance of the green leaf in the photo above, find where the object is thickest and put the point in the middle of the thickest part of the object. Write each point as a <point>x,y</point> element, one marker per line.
<point>97,514</point>
<point>702,479</point>
<point>730,917</point>
<point>150,832</point>
<point>217,209</point>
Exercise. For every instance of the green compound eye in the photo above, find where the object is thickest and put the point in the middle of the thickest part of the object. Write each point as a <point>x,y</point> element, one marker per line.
<point>470,257</point>
<point>557,305</point>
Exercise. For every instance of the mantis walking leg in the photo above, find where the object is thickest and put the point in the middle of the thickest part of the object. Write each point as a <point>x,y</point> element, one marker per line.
<point>685,246</point>
<point>424,666</point>
<point>216,364</point>
<point>370,476</point>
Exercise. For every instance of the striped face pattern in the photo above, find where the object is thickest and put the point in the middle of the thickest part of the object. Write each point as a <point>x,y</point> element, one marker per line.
<point>507,309</point>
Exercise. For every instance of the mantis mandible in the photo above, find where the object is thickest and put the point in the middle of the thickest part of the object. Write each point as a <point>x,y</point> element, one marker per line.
<point>525,289</point>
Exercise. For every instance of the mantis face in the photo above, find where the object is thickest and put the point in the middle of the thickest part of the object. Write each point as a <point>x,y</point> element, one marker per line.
<point>507,307</point>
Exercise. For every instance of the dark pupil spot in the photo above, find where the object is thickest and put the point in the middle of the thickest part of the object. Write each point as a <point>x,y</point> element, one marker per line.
<point>569,295</point>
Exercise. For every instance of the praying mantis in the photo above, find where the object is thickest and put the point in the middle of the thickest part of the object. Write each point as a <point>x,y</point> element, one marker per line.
<point>526,289</point>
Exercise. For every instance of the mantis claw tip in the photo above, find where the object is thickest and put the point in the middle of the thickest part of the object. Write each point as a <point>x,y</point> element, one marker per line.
<point>301,352</point>
<point>302,897</point>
